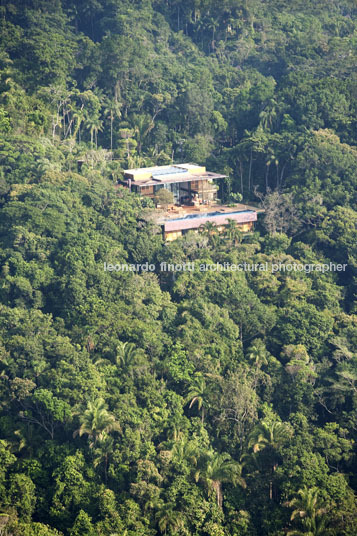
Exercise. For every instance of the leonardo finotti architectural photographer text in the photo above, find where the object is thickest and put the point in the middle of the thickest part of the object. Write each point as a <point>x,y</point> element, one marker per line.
<point>225,267</point>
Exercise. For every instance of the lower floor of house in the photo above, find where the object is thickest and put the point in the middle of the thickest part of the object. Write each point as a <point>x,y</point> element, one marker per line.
<point>169,236</point>
<point>177,221</point>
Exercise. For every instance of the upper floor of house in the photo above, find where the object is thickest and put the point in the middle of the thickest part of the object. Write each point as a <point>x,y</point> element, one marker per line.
<point>190,184</point>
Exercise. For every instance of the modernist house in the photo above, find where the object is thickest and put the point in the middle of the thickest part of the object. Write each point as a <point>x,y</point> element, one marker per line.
<point>195,201</point>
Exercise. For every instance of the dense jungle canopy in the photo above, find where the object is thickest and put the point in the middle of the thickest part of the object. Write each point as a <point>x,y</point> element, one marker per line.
<point>194,404</point>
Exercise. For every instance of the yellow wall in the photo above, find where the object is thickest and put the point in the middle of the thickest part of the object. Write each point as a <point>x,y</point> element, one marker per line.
<point>245,227</point>
<point>193,170</point>
<point>138,175</point>
<point>172,236</point>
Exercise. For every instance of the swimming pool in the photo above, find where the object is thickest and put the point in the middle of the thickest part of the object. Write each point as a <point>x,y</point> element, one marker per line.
<point>210,214</point>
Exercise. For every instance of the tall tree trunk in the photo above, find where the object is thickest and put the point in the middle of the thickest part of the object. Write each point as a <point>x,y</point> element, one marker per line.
<point>266,178</point>
<point>282,175</point>
<point>241,176</point>
<point>217,486</point>
<point>250,169</point>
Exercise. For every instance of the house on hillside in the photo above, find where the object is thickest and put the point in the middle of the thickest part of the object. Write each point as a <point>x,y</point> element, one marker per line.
<point>194,193</point>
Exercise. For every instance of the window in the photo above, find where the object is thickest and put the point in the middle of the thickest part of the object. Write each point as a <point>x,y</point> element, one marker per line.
<point>146,190</point>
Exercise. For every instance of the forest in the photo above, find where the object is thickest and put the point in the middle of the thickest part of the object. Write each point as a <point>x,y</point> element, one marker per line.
<point>196,403</point>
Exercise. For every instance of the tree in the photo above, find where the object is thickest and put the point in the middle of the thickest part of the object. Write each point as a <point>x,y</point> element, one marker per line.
<point>142,125</point>
<point>94,125</point>
<point>214,469</point>
<point>257,354</point>
<point>281,213</point>
<point>168,519</point>
<point>22,495</point>
<point>164,197</point>
<point>97,421</point>
<point>238,405</point>
<point>103,452</point>
<point>199,392</point>
<point>233,233</point>
<point>111,111</point>
<point>299,365</point>
<point>209,229</point>
<point>309,513</point>
<point>269,436</point>
<point>78,118</point>
<point>185,451</point>
<point>268,115</point>
<point>82,525</point>
<point>129,357</point>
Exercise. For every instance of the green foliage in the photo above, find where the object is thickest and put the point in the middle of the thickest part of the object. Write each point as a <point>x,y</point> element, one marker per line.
<point>164,197</point>
<point>207,402</point>
<point>178,365</point>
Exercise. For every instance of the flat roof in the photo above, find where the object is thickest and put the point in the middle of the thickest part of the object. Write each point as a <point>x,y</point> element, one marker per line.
<point>161,169</point>
<point>172,173</point>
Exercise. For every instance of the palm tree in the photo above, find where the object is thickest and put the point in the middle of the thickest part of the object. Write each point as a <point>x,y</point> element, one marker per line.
<point>128,357</point>
<point>268,115</point>
<point>185,450</point>
<point>215,469</point>
<point>142,125</point>
<point>168,519</point>
<point>257,353</point>
<point>98,127</point>
<point>127,135</point>
<point>154,502</point>
<point>269,436</point>
<point>102,453</point>
<point>94,125</point>
<point>96,422</point>
<point>201,26</point>
<point>233,233</point>
<point>209,229</point>
<point>199,393</point>
<point>213,25</point>
<point>244,147</point>
<point>78,117</point>
<point>309,512</point>
<point>270,159</point>
<point>111,111</point>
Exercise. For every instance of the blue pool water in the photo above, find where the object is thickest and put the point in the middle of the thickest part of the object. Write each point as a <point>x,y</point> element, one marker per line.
<point>209,214</point>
